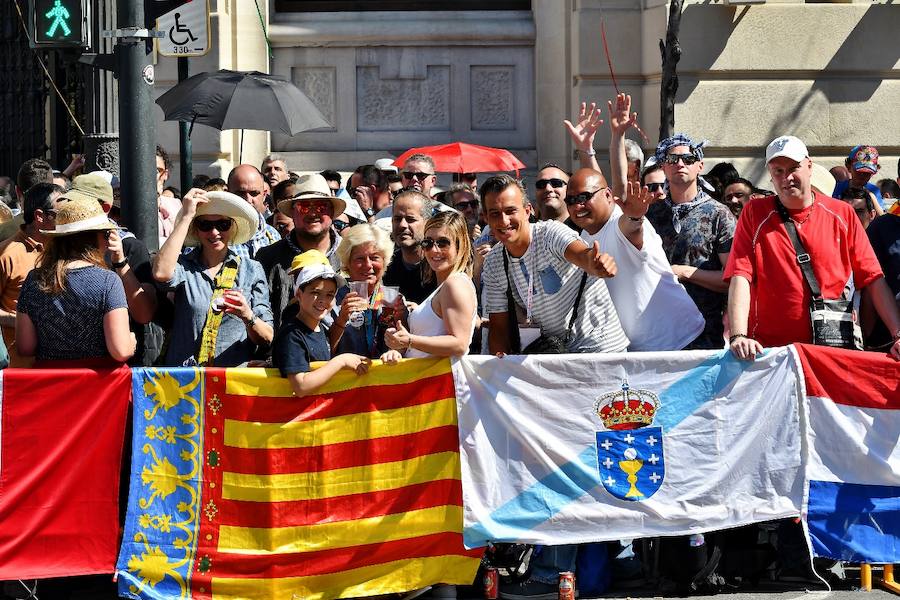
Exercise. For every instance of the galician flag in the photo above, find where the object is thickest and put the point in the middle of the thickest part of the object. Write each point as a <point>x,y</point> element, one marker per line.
<point>580,448</point>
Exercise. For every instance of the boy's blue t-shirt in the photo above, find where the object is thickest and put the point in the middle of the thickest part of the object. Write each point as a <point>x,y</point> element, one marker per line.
<point>296,345</point>
<point>841,186</point>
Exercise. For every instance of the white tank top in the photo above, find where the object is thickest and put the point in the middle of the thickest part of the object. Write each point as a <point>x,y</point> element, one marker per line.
<point>424,321</point>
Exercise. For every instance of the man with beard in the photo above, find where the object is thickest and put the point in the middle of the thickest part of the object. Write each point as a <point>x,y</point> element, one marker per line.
<point>411,210</point>
<point>308,201</point>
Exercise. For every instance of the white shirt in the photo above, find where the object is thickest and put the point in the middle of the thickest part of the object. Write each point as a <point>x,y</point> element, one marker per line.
<point>653,307</point>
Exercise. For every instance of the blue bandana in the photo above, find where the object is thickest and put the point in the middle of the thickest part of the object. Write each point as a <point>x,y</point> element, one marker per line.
<point>679,139</point>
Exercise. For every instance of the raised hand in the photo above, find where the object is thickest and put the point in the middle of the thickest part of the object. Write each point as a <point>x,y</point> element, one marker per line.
<point>621,119</point>
<point>190,201</point>
<point>637,200</point>
<point>583,132</point>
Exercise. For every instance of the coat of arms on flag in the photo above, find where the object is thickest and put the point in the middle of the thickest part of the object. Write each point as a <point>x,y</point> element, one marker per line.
<point>630,453</point>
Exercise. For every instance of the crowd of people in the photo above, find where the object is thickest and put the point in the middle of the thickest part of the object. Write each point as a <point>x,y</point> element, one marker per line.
<point>268,268</point>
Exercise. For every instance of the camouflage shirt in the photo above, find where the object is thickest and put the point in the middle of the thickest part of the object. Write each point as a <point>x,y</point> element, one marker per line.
<point>695,233</point>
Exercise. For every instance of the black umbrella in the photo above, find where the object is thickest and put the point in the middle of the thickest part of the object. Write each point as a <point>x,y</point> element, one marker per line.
<point>242,100</point>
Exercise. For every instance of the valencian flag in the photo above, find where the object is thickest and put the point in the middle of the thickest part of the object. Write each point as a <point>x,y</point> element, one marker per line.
<point>241,490</point>
<point>61,435</point>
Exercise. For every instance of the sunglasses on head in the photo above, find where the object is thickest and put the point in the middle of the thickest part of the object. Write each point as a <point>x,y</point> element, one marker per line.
<point>687,159</point>
<point>581,198</point>
<point>218,224</point>
<point>656,187</point>
<point>429,243</point>
<point>419,176</point>
<point>473,204</point>
<point>552,182</point>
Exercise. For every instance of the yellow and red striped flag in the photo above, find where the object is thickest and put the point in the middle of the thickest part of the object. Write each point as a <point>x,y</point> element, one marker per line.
<point>240,490</point>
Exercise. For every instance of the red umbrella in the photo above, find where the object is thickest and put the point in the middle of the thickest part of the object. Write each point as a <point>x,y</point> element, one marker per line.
<point>460,157</point>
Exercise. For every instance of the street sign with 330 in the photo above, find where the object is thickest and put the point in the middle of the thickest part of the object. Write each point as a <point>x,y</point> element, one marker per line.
<point>185,29</point>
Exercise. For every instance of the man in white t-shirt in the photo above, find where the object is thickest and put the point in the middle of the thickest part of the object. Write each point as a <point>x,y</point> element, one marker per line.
<point>654,309</point>
<point>547,262</point>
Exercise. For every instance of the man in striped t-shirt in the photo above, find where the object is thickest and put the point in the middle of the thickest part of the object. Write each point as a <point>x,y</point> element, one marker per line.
<point>546,261</point>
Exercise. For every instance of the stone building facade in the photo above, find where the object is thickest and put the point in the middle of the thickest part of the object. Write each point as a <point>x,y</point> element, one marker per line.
<point>828,72</point>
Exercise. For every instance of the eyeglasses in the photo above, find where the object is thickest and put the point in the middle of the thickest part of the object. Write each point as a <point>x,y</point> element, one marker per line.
<point>308,207</point>
<point>687,159</point>
<point>341,225</point>
<point>419,176</point>
<point>429,243</point>
<point>218,224</point>
<point>581,198</point>
<point>656,187</point>
<point>473,204</point>
<point>553,182</point>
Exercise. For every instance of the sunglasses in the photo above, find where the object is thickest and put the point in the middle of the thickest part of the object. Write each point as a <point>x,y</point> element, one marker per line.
<point>656,187</point>
<point>553,182</point>
<point>473,204</point>
<point>308,207</point>
<point>218,224</point>
<point>687,159</point>
<point>442,243</point>
<point>581,198</point>
<point>419,176</point>
<point>341,225</point>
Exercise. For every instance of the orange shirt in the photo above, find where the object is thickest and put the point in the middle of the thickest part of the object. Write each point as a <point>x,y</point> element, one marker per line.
<point>18,256</point>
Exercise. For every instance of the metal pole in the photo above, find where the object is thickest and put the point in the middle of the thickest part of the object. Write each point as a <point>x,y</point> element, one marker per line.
<point>184,138</point>
<point>137,133</point>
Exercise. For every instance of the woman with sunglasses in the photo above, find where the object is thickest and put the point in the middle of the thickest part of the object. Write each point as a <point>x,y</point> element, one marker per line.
<point>442,325</point>
<point>222,312</point>
<point>71,306</point>
<point>359,321</point>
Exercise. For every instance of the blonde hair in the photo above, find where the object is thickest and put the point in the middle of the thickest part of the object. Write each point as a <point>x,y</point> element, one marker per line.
<point>364,233</point>
<point>456,225</point>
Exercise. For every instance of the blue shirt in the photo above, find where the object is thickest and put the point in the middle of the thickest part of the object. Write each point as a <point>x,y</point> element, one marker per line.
<point>841,186</point>
<point>70,325</point>
<point>265,235</point>
<point>193,293</point>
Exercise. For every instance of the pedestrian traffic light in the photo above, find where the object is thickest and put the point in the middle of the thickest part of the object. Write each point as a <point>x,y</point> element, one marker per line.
<point>59,23</point>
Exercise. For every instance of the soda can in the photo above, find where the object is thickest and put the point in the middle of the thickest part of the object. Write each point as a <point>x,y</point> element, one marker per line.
<point>491,583</point>
<point>567,585</point>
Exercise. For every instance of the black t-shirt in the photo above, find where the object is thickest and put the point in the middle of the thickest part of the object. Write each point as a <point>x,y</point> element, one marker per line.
<point>884,234</point>
<point>296,345</point>
<point>138,258</point>
<point>408,279</point>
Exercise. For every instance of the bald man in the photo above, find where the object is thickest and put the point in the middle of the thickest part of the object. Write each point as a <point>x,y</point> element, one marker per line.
<point>645,292</point>
<point>247,182</point>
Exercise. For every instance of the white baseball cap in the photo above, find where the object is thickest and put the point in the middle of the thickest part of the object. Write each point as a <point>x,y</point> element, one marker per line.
<point>786,145</point>
<point>386,164</point>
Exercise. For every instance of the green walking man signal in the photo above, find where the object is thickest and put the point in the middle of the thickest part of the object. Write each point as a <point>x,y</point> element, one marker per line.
<point>59,23</point>
<point>59,14</point>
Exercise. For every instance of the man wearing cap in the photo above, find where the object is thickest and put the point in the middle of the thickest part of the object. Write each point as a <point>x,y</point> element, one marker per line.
<point>19,254</point>
<point>862,163</point>
<point>696,233</point>
<point>309,202</point>
<point>247,182</point>
<point>768,298</point>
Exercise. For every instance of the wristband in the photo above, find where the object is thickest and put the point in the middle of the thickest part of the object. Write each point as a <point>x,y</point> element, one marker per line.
<point>119,265</point>
<point>251,321</point>
<point>636,219</point>
<point>591,152</point>
<point>736,336</point>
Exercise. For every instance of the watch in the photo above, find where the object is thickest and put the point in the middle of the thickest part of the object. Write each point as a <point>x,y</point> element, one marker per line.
<point>119,265</point>
<point>591,152</point>
<point>369,212</point>
<point>251,321</point>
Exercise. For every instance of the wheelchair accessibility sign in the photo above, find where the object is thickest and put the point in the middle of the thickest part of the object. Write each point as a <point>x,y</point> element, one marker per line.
<point>185,30</point>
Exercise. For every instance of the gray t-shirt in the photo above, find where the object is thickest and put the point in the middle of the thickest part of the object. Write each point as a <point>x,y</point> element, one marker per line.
<point>597,328</point>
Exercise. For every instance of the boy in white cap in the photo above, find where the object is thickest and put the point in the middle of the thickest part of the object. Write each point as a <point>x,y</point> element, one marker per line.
<point>302,340</point>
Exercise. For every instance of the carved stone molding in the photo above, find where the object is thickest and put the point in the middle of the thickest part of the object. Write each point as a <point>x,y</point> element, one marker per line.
<point>403,104</point>
<point>492,97</point>
<point>319,85</point>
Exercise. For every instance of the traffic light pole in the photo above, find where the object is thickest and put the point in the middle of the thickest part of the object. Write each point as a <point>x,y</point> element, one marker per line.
<point>184,136</point>
<point>137,133</point>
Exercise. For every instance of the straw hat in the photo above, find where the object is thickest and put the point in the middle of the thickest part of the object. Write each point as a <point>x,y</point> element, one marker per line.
<point>78,215</point>
<point>308,188</point>
<point>245,217</point>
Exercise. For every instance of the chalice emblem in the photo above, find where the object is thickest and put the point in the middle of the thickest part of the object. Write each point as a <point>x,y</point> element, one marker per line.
<point>631,466</point>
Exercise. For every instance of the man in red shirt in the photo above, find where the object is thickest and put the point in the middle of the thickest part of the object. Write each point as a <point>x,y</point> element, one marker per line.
<point>768,299</point>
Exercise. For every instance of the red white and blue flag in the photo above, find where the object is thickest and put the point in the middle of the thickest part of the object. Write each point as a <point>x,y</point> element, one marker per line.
<point>853,435</point>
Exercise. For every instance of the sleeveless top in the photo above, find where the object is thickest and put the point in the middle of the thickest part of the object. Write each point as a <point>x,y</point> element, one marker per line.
<point>425,322</point>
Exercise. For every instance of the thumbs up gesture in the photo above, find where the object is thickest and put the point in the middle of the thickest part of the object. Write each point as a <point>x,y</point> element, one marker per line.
<point>600,264</point>
<point>397,338</point>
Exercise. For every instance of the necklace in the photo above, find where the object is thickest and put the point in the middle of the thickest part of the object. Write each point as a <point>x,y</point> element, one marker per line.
<point>806,218</point>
